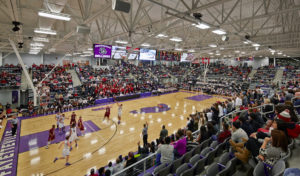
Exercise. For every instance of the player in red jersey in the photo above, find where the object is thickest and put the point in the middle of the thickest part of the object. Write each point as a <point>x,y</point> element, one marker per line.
<point>107,112</point>
<point>51,136</point>
<point>80,126</point>
<point>73,119</point>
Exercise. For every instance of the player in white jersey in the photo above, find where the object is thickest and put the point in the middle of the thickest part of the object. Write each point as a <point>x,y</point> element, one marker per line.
<point>61,123</point>
<point>73,135</point>
<point>120,106</point>
<point>66,151</point>
<point>57,116</point>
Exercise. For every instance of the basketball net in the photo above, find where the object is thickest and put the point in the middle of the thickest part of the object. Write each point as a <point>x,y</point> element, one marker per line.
<point>205,62</point>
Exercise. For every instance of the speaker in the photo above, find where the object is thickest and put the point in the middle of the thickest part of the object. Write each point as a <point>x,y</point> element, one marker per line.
<point>83,30</point>
<point>121,6</point>
<point>225,38</point>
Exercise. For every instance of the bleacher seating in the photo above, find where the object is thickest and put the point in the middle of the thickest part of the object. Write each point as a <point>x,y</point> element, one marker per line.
<point>10,76</point>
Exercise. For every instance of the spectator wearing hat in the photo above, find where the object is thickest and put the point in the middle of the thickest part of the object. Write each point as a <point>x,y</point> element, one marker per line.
<point>285,115</point>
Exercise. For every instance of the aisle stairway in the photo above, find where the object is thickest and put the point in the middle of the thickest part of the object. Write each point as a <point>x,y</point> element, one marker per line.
<point>24,82</point>
<point>278,76</point>
<point>75,78</point>
<point>252,73</point>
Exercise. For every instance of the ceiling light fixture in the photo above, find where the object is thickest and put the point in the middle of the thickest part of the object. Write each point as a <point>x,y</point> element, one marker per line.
<point>162,35</point>
<point>202,26</point>
<point>90,49</point>
<point>212,45</point>
<point>255,44</point>
<point>53,15</point>
<point>237,51</point>
<point>219,31</point>
<point>37,44</point>
<point>45,31</point>
<point>191,50</point>
<point>218,54</point>
<point>121,42</point>
<point>146,45</point>
<point>40,39</point>
<point>178,49</point>
<point>176,39</point>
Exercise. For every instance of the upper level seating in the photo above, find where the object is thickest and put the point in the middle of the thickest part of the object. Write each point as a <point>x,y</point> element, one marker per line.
<point>265,75</point>
<point>116,81</point>
<point>291,73</point>
<point>10,76</point>
<point>231,72</point>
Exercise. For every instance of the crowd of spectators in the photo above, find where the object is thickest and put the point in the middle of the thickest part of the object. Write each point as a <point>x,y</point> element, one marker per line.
<point>10,76</point>
<point>264,75</point>
<point>251,133</point>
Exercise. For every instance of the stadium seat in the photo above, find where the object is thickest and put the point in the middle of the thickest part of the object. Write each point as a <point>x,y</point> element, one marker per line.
<point>206,143</point>
<point>182,168</point>
<point>189,172</point>
<point>277,169</point>
<point>164,171</point>
<point>210,157</point>
<point>213,169</point>
<point>205,151</point>
<point>194,159</point>
<point>224,158</point>
<point>158,168</point>
<point>287,156</point>
<point>226,170</point>
<point>214,144</point>
<point>199,166</point>
<point>187,156</point>
<point>176,164</point>
<point>197,149</point>
<point>220,148</point>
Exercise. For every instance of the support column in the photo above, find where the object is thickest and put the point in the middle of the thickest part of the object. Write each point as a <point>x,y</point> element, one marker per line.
<point>25,71</point>
<point>274,62</point>
<point>1,59</point>
<point>42,59</point>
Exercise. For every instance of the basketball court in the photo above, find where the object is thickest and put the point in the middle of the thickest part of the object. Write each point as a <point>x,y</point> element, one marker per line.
<point>104,141</point>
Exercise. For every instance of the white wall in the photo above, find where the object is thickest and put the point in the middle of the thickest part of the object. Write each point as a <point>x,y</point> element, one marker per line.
<point>29,59</point>
<point>256,63</point>
<point>6,97</point>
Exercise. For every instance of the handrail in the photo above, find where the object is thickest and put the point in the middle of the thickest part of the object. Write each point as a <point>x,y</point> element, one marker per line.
<point>142,160</point>
<point>239,111</point>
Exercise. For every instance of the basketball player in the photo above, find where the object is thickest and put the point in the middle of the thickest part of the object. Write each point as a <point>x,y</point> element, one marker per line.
<point>51,136</point>
<point>57,116</point>
<point>120,106</point>
<point>107,112</point>
<point>73,135</point>
<point>66,150</point>
<point>73,119</point>
<point>61,123</point>
<point>80,126</point>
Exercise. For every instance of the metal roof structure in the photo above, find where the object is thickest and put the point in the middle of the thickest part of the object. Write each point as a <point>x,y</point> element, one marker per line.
<point>271,25</point>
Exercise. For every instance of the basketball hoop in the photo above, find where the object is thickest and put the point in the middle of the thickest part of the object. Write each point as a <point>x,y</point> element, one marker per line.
<point>205,62</point>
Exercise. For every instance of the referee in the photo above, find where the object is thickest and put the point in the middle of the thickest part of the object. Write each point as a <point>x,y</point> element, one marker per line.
<point>14,123</point>
<point>145,134</point>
